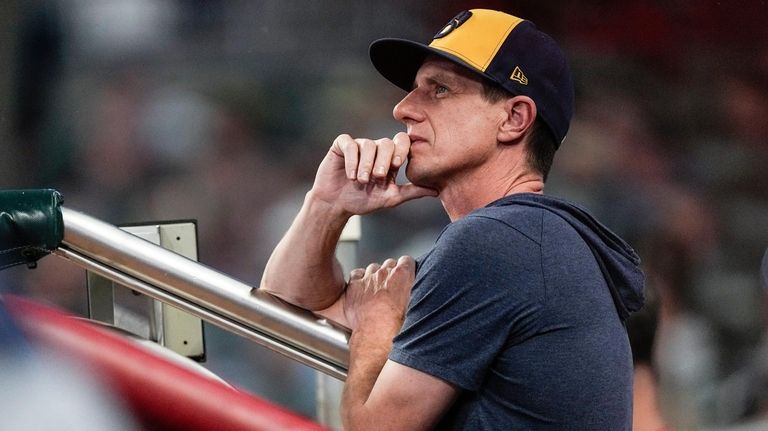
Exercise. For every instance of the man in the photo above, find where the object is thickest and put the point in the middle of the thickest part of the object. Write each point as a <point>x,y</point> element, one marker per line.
<point>514,320</point>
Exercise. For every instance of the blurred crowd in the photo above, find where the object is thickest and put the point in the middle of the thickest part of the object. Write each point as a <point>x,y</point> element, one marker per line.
<point>141,110</point>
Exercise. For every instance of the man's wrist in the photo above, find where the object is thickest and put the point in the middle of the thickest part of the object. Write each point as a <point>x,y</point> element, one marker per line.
<point>382,329</point>
<point>328,213</point>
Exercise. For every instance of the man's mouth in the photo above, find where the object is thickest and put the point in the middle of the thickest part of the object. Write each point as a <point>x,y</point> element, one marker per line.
<point>416,139</point>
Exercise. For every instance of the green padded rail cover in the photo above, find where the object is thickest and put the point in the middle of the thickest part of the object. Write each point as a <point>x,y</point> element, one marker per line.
<point>31,225</point>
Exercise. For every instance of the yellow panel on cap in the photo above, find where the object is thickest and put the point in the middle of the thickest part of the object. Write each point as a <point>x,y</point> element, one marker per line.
<point>477,40</point>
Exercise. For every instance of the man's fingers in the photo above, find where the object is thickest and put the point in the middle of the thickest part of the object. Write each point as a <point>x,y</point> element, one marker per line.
<point>389,263</point>
<point>367,157</point>
<point>370,269</point>
<point>382,274</point>
<point>402,144</point>
<point>384,149</point>
<point>406,267</point>
<point>407,263</point>
<point>350,152</point>
<point>356,274</point>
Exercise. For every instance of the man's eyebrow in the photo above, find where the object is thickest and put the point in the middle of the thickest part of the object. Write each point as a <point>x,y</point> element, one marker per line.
<point>441,78</point>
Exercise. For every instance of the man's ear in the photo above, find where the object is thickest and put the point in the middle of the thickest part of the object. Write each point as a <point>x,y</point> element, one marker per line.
<point>520,115</point>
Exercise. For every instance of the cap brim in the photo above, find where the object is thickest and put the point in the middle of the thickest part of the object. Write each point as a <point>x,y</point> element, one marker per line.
<point>398,60</point>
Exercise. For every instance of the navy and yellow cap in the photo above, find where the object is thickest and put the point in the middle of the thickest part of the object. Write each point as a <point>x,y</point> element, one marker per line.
<point>502,48</point>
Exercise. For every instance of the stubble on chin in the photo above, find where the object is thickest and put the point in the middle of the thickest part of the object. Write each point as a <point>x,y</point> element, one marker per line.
<point>418,176</point>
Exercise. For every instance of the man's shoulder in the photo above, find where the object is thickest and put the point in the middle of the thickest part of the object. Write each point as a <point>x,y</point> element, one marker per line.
<point>493,221</point>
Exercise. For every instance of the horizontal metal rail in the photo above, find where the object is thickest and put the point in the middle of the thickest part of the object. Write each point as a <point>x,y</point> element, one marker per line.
<point>203,292</point>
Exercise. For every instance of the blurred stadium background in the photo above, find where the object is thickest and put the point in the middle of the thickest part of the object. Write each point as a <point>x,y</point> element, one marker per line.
<point>220,111</point>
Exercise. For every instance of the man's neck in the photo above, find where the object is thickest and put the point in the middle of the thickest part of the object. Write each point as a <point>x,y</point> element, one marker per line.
<point>461,198</point>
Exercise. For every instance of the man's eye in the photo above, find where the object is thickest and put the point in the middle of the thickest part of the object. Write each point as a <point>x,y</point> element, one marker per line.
<point>440,89</point>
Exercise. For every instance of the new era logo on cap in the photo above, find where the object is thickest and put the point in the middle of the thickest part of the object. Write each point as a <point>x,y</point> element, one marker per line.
<point>503,49</point>
<point>519,76</point>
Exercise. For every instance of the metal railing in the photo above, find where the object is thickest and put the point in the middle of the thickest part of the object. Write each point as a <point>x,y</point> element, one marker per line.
<point>206,293</point>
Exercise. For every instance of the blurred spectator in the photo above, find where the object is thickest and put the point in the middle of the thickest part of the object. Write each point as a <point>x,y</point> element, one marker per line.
<point>43,391</point>
<point>641,328</point>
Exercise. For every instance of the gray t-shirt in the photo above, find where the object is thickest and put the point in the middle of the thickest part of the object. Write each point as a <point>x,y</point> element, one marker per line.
<point>512,306</point>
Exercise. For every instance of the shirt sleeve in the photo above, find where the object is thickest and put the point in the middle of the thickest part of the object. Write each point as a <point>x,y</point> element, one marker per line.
<point>475,293</point>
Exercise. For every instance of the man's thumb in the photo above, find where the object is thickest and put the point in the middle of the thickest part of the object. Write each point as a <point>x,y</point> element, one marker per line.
<point>411,191</point>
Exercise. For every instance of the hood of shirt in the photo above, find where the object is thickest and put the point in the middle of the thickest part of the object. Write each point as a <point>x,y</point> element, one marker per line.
<point>617,260</point>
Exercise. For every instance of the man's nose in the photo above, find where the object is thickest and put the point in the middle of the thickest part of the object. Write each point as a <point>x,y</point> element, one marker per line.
<point>407,109</point>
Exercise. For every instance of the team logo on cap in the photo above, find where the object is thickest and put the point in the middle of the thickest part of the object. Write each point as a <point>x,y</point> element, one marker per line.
<point>519,76</point>
<point>453,24</point>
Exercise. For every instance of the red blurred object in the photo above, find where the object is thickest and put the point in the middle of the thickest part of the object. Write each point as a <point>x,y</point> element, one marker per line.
<point>161,394</point>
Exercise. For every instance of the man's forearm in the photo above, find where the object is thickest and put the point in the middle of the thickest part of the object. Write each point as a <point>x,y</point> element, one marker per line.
<point>369,349</point>
<point>303,269</point>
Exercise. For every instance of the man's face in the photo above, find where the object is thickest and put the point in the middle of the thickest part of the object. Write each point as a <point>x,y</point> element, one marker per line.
<point>453,129</point>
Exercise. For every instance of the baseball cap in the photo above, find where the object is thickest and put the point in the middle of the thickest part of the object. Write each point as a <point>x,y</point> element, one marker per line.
<point>501,48</point>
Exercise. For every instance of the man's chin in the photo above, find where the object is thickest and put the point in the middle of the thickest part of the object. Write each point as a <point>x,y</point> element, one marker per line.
<point>419,178</point>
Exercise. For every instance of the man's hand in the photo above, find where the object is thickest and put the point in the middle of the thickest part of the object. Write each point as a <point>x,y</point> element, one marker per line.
<point>379,294</point>
<point>381,394</point>
<point>357,176</point>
